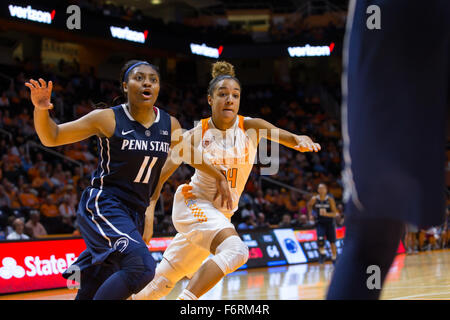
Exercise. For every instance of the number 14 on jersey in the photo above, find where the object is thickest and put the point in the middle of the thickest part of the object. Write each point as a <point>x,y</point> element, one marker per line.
<point>231,175</point>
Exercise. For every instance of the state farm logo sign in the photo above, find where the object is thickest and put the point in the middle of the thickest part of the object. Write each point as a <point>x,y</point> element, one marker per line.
<point>11,269</point>
<point>35,266</point>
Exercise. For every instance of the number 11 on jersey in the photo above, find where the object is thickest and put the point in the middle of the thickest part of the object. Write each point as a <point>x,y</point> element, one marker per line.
<point>142,170</point>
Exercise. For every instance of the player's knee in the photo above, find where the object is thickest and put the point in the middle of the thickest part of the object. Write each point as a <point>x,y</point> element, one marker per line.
<point>139,268</point>
<point>231,254</point>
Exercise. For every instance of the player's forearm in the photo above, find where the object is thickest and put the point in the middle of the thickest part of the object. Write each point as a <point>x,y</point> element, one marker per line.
<point>199,162</point>
<point>45,127</point>
<point>148,226</point>
<point>288,139</point>
<point>209,169</point>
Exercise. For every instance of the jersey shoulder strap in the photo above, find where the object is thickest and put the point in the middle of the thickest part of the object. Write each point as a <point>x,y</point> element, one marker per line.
<point>241,123</point>
<point>205,125</point>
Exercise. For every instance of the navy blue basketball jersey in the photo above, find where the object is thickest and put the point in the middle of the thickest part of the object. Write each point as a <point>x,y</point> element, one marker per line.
<point>323,205</point>
<point>130,161</point>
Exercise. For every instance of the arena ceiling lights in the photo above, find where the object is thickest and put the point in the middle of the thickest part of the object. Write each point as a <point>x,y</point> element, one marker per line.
<point>28,13</point>
<point>310,51</point>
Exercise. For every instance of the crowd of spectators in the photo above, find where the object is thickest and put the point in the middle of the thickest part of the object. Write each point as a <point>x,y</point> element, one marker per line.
<point>42,190</point>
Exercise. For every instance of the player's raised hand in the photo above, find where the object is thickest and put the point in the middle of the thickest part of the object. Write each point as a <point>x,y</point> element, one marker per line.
<point>223,190</point>
<point>305,144</point>
<point>40,93</point>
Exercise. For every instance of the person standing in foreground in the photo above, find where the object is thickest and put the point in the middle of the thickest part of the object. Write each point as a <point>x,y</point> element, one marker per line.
<point>229,141</point>
<point>395,88</point>
<point>134,140</point>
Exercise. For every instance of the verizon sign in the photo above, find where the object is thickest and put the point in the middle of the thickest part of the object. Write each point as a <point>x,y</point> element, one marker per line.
<point>311,51</point>
<point>36,265</point>
<point>204,50</point>
<point>28,13</point>
<point>128,34</point>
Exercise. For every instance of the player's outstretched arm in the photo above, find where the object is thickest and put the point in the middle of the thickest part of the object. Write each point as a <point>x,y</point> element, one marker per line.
<point>97,122</point>
<point>264,129</point>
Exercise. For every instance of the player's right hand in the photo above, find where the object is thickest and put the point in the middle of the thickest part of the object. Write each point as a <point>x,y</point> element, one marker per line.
<point>149,216</point>
<point>40,93</point>
<point>223,190</point>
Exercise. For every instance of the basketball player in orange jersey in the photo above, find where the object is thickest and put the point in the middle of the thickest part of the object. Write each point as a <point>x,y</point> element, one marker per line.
<point>229,141</point>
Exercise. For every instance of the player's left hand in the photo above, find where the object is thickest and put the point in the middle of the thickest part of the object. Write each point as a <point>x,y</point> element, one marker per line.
<point>305,144</point>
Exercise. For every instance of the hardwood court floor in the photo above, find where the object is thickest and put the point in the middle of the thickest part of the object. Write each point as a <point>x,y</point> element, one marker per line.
<point>415,277</point>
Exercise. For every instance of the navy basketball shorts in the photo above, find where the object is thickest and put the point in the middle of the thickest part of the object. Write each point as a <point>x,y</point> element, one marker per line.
<point>395,89</point>
<point>107,226</point>
<point>327,230</point>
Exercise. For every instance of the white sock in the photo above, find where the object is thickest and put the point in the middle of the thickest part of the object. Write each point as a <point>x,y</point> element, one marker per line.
<point>187,295</point>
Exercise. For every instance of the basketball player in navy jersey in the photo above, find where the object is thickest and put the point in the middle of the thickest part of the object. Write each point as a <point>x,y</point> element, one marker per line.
<point>395,87</point>
<point>325,207</point>
<point>133,141</point>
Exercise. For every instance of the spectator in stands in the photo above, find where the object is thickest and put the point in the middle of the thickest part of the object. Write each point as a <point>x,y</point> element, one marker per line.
<point>5,201</point>
<point>36,228</point>
<point>269,196</point>
<point>9,226</point>
<point>261,221</point>
<point>286,221</point>
<point>292,203</point>
<point>248,223</point>
<point>42,181</point>
<point>28,198</point>
<point>39,163</point>
<point>70,191</point>
<point>259,201</point>
<point>302,222</point>
<point>247,211</point>
<point>58,177</point>
<point>18,234</point>
<point>245,199</point>
<point>67,212</point>
<point>51,218</point>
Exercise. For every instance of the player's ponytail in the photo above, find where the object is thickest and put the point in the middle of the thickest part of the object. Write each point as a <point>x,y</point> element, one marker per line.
<point>221,70</point>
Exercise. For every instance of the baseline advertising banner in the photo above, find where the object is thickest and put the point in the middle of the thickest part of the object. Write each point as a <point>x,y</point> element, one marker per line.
<point>264,249</point>
<point>290,246</point>
<point>36,265</point>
